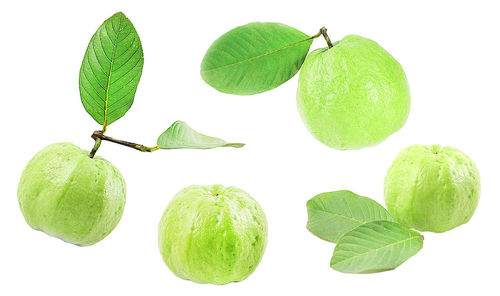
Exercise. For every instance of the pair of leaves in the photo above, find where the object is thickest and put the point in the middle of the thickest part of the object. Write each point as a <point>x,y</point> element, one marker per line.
<point>254,58</point>
<point>368,239</point>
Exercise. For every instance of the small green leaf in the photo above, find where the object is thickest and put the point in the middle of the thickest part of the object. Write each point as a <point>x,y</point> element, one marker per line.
<point>332,214</point>
<point>111,69</point>
<point>374,247</point>
<point>254,58</point>
<point>180,136</point>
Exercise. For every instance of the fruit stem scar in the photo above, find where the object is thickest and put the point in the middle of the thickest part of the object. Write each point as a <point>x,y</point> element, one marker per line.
<point>98,136</point>
<point>322,31</point>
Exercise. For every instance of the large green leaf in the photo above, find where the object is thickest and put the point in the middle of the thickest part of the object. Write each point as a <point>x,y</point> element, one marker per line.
<point>180,136</point>
<point>331,214</point>
<point>111,69</point>
<point>254,58</point>
<point>374,247</point>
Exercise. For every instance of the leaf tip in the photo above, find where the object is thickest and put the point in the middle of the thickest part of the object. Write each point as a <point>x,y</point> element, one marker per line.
<point>235,145</point>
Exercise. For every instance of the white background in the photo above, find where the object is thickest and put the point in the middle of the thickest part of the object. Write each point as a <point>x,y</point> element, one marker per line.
<point>450,51</point>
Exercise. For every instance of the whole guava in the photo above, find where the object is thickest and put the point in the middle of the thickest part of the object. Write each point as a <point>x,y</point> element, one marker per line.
<point>212,234</point>
<point>432,188</point>
<point>352,95</point>
<point>69,195</point>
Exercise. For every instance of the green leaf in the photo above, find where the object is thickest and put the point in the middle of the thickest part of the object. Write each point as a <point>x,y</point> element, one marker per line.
<point>374,247</point>
<point>254,58</point>
<point>111,69</point>
<point>180,136</point>
<point>332,214</point>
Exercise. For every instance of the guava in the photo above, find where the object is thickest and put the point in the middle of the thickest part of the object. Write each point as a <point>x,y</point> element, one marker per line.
<point>65,193</point>
<point>432,188</point>
<point>212,234</point>
<point>352,95</point>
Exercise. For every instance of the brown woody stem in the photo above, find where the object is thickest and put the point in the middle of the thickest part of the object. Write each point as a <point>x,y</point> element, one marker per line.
<point>96,146</point>
<point>322,31</point>
<point>99,136</point>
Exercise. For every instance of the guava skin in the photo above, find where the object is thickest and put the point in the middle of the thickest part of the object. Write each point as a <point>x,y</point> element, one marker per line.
<point>212,234</point>
<point>432,188</point>
<point>65,193</point>
<point>352,95</point>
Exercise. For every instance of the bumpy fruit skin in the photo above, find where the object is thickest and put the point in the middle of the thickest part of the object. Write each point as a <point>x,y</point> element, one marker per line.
<point>69,195</point>
<point>432,188</point>
<point>212,234</point>
<point>352,95</point>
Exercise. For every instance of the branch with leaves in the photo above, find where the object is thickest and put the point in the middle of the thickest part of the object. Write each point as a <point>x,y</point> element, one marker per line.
<point>109,76</point>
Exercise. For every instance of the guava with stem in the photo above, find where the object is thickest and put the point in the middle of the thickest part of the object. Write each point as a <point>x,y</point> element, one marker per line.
<point>69,195</point>
<point>73,194</point>
<point>352,94</point>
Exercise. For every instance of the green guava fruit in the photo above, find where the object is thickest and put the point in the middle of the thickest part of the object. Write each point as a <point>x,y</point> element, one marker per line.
<point>352,95</point>
<point>212,234</point>
<point>69,195</point>
<point>432,188</point>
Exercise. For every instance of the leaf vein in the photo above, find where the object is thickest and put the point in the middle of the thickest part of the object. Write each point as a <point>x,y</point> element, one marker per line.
<point>128,71</point>
<point>256,57</point>
<point>374,250</point>
<point>125,63</point>
<point>110,72</point>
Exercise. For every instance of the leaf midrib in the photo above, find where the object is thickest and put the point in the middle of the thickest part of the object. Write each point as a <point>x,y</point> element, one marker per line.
<point>342,216</point>
<point>256,57</point>
<point>110,73</point>
<point>377,249</point>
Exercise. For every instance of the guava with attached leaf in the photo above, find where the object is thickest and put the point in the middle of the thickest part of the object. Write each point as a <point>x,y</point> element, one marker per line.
<point>212,234</point>
<point>69,195</point>
<point>352,95</point>
<point>432,188</point>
